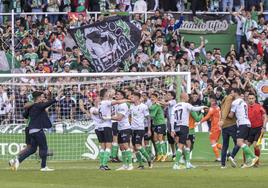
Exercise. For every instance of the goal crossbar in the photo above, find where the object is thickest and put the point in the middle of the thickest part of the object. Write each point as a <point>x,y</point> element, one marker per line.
<point>112,74</point>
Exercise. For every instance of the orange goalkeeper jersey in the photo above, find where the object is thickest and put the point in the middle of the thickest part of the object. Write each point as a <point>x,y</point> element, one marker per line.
<point>214,116</point>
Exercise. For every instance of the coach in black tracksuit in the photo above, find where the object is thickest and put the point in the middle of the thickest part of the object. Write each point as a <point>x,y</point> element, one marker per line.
<point>38,120</point>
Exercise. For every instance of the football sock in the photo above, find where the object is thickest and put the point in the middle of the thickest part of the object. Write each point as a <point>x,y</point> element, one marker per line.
<point>139,158</point>
<point>158,148</point>
<point>216,151</point>
<point>187,154</point>
<point>129,156</point>
<point>114,150</point>
<point>149,150</point>
<point>219,146</point>
<point>101,157</point>
<point>257,152</point>
<point>144,153</point>
<point>247,151</point>
<point>178,156</point>
<point>124,157</point>
<point>164,147</point>
<point>107,154</point>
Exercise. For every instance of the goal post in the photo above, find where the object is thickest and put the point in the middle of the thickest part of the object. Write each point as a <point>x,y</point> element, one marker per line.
<point>72,135</point>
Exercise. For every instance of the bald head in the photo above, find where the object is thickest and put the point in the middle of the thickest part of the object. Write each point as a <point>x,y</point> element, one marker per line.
<point>184,97</point>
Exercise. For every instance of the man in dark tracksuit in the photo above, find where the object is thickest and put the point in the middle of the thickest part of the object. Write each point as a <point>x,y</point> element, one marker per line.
<point>229,129</point>
<point>38,120</point>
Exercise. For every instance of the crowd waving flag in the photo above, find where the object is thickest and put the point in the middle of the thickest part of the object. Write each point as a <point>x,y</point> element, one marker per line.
<point>108,43</point>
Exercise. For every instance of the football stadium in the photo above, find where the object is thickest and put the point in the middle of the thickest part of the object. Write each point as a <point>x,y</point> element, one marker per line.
<point>133,93</point>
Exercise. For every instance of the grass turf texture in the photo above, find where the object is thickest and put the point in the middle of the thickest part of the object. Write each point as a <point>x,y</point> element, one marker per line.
<point>83,174</point>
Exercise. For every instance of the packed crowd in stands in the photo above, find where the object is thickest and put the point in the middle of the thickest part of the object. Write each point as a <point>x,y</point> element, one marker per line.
<point>43,45</point>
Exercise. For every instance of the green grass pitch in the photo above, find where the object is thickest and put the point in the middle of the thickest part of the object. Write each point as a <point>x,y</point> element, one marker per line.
<point>84,174</point>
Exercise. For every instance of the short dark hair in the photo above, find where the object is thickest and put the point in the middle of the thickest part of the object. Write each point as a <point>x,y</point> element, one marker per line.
<point>252,94</point>
<point>237,90</point>
<point>145,93</point>
<point>103,92</point>
<point>155,94</point>
<point>173,94</point>
<point>122,93</point>
<point>219,89</point>
<point>36,94</point>
<point>212,96</point>
<point>137,94</point>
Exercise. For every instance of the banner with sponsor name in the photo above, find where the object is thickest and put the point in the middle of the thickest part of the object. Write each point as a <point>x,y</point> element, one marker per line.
<point>206,24</point>
<point>108,43</point>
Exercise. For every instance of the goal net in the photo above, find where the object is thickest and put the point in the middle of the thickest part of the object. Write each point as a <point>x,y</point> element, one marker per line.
<point>72,135</point>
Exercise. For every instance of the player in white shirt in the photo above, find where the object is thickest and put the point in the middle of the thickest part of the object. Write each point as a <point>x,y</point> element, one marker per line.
<point>124,128</point>
<point>180,128</point>
<point>239,109</point>
<point>171,102</point>
<point>104,129</point>
<point>139,118</point>
<point>147,101</point>
<point>114,153</point>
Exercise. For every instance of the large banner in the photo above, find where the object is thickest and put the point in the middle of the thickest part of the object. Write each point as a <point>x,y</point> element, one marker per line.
<point>206,24</point>
<point>108,43</point>
<point>216,30</point>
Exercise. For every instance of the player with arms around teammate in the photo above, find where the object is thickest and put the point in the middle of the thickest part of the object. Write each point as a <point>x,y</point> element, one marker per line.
<point>257,118</point>
<point>179,127</point>
<point>215,131</point>
<point>104,130</point>
<point>139,116</point>
<point>169,104</point>
<point>159,128</point>
<point>239,109</point>
<point>38,122</point>
<point>124,128</point>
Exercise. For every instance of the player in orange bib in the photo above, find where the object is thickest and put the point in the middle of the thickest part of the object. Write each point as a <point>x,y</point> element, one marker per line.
<point>215,131</point>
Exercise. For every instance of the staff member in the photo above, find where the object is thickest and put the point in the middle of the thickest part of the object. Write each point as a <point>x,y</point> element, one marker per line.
<point>229,129</point>
<point>38,122</point>
<point>258,119</point>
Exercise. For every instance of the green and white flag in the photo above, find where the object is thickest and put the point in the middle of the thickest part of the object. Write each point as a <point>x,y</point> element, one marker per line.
<point>108,43</point>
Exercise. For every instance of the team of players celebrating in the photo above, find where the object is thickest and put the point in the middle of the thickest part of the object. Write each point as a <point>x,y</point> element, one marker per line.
<point>130,121</point>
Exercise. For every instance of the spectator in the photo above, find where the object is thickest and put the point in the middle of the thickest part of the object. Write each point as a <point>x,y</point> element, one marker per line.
<point>53,6</point>
<point>140,6</point>
<point>67,108</point>
<point>4,104</point>
<point>36,6</point>
<point>56,47</point>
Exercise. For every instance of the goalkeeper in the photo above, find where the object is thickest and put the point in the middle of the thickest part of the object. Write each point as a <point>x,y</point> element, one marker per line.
<point>159,127</point>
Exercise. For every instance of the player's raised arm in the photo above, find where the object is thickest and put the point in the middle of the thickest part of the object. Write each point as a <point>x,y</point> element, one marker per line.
<point>207,117</point>
<point>196,108</point>
<point>114,102</point>
<point>28,105</point>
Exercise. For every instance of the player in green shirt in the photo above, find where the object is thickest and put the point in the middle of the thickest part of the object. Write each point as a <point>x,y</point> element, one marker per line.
<point>159,128</point>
